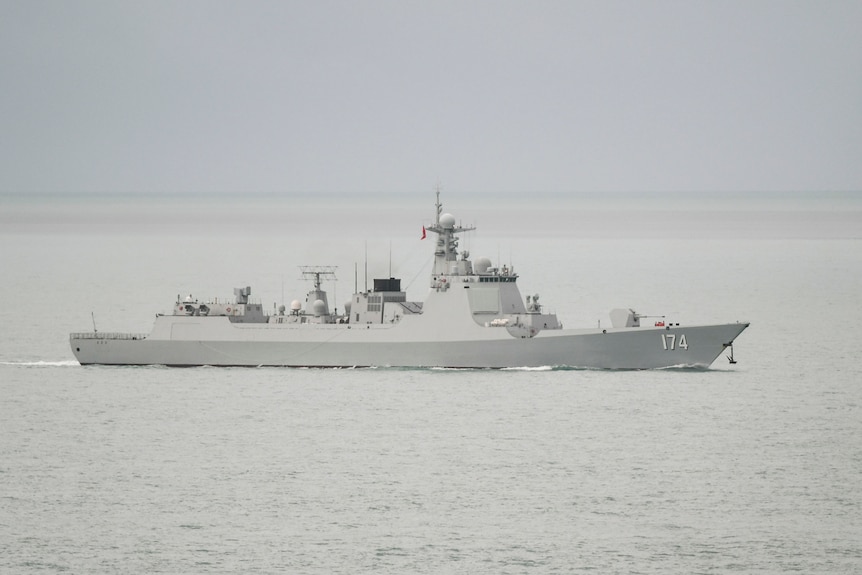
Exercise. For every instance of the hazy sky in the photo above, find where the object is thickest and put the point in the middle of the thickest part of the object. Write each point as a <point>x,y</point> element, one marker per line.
<point>362,96</point>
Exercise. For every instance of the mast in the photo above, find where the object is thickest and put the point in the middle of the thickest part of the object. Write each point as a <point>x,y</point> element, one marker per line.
<point>439,207</point>
<point>315,273</point>
<point>444,226</point>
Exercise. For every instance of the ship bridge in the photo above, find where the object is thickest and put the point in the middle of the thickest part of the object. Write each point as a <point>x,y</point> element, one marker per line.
<point>491,293</point>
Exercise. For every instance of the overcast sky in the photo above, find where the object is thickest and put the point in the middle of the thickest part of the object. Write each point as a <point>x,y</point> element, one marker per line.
<point>483,96</point>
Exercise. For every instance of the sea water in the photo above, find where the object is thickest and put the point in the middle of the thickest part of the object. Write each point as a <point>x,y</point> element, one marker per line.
<point>750,467</point>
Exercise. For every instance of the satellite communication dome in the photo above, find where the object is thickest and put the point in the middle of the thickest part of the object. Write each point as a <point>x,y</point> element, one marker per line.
<point>319,307</point>
<point>295,305</point>
<point>447,221</point>
<point>347,307</point>
<point>481,265</point>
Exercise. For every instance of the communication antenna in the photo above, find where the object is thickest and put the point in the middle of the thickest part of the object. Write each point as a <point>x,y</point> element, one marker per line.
<point>93,315</point>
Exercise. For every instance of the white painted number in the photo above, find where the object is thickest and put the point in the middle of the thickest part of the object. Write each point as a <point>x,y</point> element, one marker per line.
<point>669,341</point>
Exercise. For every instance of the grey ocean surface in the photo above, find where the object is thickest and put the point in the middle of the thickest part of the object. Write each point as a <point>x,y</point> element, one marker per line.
<point>747,468</point>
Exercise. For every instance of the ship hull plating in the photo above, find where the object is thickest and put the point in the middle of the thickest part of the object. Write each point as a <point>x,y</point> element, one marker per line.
<point>353,346</point>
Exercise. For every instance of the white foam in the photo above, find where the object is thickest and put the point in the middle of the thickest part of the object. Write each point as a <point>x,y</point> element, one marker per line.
<point>65,363</point>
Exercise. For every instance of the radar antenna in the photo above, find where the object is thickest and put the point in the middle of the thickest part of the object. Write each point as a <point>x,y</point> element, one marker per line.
<point>315,272</point>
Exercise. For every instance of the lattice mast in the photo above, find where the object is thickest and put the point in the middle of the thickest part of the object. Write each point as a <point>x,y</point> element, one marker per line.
<point>444,226</point>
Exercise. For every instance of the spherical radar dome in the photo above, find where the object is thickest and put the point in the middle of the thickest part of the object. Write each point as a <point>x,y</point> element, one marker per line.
<point>482,265</point>
<point>447,221</point>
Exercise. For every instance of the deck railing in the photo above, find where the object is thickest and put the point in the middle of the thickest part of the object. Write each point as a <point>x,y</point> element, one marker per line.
<point>105,335</point>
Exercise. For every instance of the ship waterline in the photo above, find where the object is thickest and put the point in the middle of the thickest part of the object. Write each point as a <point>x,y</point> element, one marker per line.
<point>628,348</point>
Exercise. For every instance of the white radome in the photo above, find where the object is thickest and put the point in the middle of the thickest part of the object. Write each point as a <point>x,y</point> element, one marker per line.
<point>447,221</point>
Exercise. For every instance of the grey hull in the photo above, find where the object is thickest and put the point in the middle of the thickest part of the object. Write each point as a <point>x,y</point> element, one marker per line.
<point>339,346</point>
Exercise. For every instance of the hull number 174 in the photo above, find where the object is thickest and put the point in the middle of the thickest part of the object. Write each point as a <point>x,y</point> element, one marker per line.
<point>670,341</point>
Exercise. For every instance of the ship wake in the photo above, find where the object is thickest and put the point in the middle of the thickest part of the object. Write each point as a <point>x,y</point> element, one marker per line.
<point>41,363</point>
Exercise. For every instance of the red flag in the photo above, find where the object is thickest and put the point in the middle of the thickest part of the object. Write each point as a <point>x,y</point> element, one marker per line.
<point>423,233</point>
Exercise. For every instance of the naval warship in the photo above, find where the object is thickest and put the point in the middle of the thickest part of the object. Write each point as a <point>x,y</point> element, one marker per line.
<point>473,316</point>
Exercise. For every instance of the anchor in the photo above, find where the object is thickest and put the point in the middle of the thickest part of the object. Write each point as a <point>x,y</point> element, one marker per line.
<point>730,357</point>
